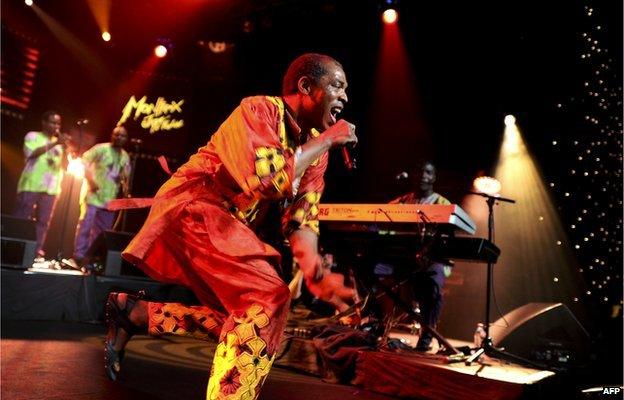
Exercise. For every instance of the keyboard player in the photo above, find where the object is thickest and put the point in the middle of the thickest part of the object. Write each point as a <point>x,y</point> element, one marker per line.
<point>428,289</point>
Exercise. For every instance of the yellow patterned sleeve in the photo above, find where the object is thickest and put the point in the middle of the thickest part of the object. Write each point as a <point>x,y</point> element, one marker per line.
<point>303,212</point>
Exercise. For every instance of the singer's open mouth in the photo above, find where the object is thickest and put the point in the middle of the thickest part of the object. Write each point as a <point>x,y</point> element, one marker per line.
<point>334,112</point>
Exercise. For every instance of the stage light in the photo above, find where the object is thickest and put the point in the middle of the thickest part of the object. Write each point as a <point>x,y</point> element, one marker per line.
<point>217,47</point>
<point>28,2</point>
<point>106,36</point>
<point>390,16</point>
<point>160,51</point>
<point>510,120</point>
<point>512,140</point>
<point>533,243</point>
<point>75,167</point>
<point>487,185</point>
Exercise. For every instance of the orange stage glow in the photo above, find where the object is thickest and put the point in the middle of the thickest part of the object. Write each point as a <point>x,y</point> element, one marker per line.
<point>75,167</point>
<point>390,16</point>
<point>106,36</point>
<point>11,159</point>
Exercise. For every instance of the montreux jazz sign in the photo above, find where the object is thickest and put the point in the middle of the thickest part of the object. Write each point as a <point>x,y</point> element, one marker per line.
<point>159,116</point>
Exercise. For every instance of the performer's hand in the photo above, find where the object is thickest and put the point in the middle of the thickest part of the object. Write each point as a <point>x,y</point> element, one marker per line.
<point>350,320</point>
<point>125,189</point>
<point>63,139</point>
<point>312,266</point>
<point>341,133</point>
<point>331,289</point>
<point>93,187</point>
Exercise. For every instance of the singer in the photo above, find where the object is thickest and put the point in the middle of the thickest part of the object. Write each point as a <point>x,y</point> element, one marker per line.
<point>40,182</point>
<point>199,233</point>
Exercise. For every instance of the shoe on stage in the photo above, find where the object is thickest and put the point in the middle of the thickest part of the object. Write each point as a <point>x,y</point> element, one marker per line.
<point>72,263</point>
<point>119,324</point>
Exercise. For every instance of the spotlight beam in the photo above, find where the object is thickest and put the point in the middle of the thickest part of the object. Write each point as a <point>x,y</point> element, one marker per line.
<point>77,48</point>
<point>101,11</point>
<point>537,262</point>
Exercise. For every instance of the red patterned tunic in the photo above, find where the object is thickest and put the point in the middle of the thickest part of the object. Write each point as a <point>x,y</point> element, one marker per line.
<point>197,233</point>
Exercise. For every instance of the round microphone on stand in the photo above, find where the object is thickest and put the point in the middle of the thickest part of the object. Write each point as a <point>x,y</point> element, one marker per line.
<point>401,175</point>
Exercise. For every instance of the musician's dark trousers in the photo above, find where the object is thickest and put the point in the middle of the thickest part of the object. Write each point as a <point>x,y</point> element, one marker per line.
<point>39,207</point>
<point>428,292</point>
<point>93,221</point>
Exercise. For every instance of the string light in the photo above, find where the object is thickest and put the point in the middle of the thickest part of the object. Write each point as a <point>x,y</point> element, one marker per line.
<point>589,169</point>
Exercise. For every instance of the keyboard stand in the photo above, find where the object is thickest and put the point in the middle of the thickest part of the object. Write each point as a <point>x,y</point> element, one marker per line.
<point>454,356</point>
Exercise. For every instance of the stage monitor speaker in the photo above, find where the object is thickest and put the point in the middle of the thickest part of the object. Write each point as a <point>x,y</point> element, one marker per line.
<point>105,253</point>
<point>19,241</point>
<point>544,332</point>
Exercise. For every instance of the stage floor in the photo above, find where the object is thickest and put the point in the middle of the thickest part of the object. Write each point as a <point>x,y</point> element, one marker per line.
<point>64,361</point>
<point>43,358</point>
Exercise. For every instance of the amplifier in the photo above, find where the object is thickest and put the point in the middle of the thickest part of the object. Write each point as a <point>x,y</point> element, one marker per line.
<point>19,242</point>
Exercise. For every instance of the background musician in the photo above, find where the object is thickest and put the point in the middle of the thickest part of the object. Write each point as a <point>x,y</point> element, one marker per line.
<point>107,168</point>
<point>428,288</point>
<point>40,182</point>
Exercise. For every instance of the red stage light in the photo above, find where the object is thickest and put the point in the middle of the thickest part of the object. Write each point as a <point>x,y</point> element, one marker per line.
<point>106,36</point>
<point>160,51</point>
<point>390,16</point>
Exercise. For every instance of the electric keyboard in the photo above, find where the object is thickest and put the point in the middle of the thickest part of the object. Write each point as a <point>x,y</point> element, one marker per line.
<point>395,217</point>
<point>464,248</point>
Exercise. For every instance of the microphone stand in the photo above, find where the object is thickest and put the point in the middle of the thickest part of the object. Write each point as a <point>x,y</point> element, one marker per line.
<point>58,261</point>
<point>487,346</point>
<point>137,144</point>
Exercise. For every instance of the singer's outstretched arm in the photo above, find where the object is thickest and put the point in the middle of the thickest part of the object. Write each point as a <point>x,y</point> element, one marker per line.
<point>338,134</point>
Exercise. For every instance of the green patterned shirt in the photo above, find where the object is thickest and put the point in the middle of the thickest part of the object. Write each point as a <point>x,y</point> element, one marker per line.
<point>41,174</point>
<point>108,167</point>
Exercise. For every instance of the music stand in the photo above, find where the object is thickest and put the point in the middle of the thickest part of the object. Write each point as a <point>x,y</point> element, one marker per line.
<point>487,346</point>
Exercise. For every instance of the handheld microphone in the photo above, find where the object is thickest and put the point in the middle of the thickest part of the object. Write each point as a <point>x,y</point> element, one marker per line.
<point>349,163</point>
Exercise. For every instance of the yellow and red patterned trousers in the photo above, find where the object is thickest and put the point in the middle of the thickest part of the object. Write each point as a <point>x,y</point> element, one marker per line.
<point>232,273</point>
<point>242,360</point>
